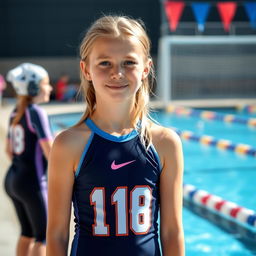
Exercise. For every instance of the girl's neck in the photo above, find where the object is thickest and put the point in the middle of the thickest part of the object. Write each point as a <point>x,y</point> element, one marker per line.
<point>114,117</point>
<point>37,100</point>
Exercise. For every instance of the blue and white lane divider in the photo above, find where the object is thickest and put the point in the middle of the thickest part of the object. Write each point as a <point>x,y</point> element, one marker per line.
<point>211,115</point>
<point>223,144</point>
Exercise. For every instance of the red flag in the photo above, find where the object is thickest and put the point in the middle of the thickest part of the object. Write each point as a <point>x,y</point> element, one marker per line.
<point>173,12</point>
<point>227,12</point>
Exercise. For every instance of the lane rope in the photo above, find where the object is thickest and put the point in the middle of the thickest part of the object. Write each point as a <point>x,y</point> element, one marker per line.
<point>222,144</point>
<point>219,205</point>
<point>211,115</point>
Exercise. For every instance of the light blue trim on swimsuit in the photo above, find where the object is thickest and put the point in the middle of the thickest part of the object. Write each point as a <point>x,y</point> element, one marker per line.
<point>156,156</point>
<point>83,154</point>
<point>108,136</point>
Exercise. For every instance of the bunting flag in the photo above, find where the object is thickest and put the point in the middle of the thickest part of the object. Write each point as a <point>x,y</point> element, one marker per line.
<point>250,8</point>
<point>173,12</point>
<point>227,13</point>
<point>201,11</point>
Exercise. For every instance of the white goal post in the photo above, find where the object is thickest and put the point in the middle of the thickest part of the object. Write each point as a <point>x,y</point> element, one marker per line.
<point>195,67</point>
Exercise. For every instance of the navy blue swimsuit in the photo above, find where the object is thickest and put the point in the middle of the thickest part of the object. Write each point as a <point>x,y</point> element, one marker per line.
<point>116,197</point>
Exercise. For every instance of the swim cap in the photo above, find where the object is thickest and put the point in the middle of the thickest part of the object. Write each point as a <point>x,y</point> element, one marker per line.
<point>23,75</point>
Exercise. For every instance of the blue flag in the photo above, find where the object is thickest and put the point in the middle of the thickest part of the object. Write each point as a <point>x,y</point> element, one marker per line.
<point>201,11</point>
<point>250,8</point>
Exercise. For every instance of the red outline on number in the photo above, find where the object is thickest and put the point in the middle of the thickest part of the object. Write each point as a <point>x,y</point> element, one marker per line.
<point>116,212</point>
<point>95,212</point>
<point>141,218</point>
<point>141,200</point>
<point>150,210</point>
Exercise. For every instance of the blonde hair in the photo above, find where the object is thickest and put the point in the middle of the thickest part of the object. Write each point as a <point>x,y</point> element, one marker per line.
<point>119,26</point>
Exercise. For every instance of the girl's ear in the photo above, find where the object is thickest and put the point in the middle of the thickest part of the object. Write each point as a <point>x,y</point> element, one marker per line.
<point>146,69</point>
<point>84,70</point>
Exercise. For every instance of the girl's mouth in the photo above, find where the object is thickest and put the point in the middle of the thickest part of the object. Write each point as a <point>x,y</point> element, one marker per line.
<point>117,87</point>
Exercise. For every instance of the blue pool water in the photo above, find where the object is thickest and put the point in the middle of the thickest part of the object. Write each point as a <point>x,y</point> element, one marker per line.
<point>238,133</point>
<point>223,173</point>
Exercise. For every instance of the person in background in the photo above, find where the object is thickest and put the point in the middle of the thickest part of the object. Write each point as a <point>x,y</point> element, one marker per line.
<point>28,145</point>
<point>61,87</point>
<point>2,87</point>
<point>71,93</point>
<point>116,164</point>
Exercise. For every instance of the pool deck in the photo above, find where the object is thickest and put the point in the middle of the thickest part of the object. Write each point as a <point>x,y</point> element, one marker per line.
<point>9,226</point>
<point>9,230</point>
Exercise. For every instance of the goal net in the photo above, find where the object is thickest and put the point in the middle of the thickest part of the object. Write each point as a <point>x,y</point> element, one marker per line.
<point>207,67</point>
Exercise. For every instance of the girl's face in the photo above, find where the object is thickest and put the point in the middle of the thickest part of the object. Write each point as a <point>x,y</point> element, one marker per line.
<point>45,91</point>
<point>116,67</point>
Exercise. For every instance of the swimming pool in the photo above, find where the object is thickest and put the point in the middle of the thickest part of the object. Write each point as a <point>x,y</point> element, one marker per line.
<point>223,173</point>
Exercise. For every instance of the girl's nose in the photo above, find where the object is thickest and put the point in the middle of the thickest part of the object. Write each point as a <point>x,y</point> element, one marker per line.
<point>117,73</point>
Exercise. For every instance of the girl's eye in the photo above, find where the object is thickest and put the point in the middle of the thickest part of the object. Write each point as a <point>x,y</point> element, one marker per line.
<point>129,63</point>
<point>105,63</point>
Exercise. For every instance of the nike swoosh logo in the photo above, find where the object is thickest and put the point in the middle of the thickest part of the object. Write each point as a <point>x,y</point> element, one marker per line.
<point>115,166</point>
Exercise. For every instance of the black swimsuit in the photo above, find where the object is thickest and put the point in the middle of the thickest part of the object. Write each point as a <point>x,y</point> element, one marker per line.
<point>25,181</point>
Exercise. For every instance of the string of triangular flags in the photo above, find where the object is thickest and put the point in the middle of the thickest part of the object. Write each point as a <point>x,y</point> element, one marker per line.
<point>227,10</point>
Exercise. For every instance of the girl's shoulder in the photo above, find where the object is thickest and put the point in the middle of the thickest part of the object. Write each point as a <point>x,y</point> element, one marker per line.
<point>72,139</point>
<point>36,112</point>
<point>163,134</point>
<point>70,143</point>
<point>164,139</point>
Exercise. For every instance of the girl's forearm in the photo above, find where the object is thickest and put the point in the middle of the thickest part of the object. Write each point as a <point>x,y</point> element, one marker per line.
<point>56,246</point>
<point>173,245</point>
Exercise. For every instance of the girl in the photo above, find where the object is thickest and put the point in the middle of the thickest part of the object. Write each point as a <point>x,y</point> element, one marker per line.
<point>28,146</point>
<point>116,165</point>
